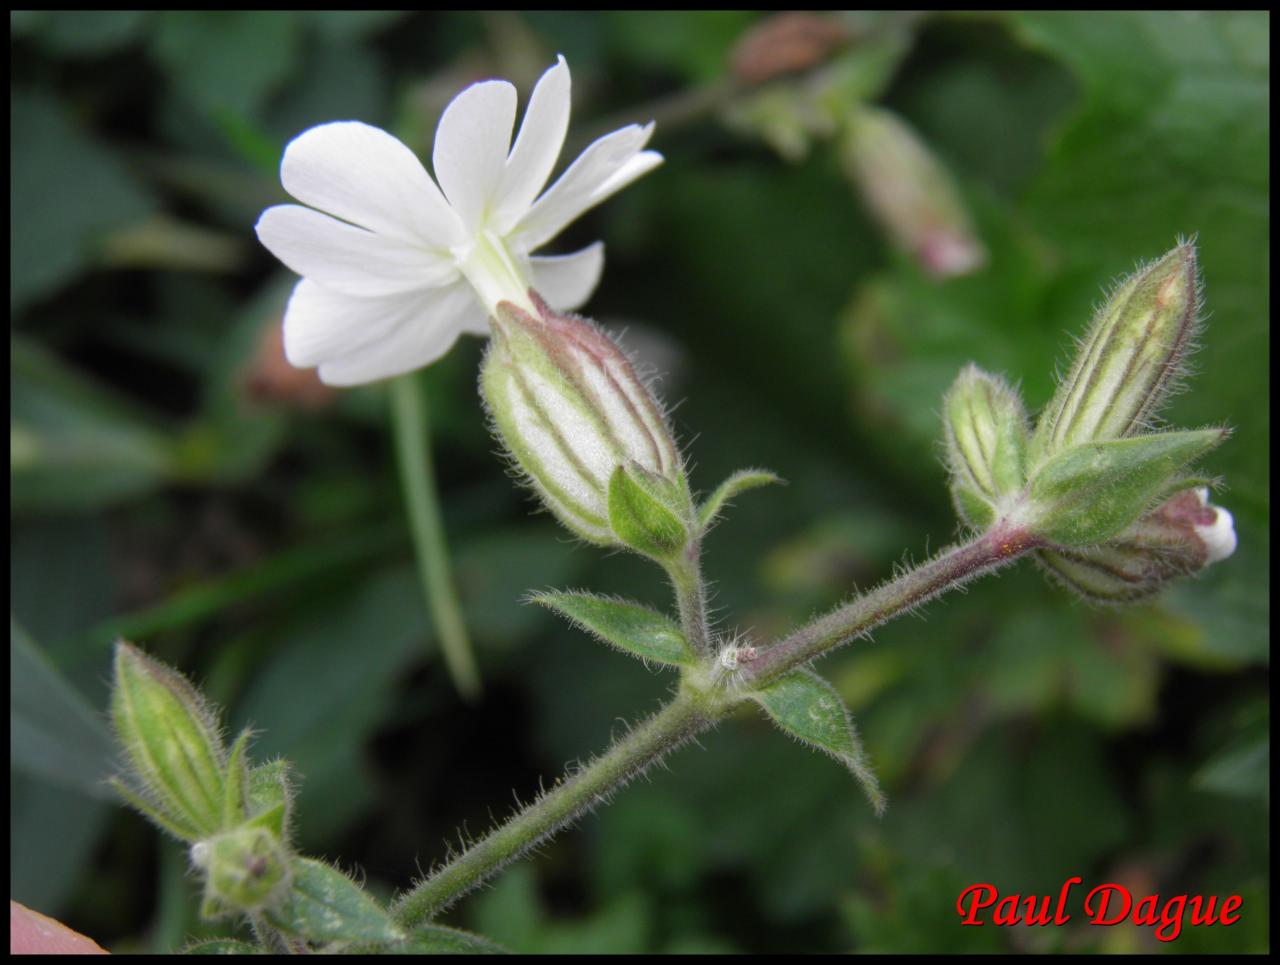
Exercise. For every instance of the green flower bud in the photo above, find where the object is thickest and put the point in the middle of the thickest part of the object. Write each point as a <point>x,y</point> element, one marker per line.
<point>1183,536</point>
<point>910,192</point>
<point>1131,357</point>
<point>245,869</point>
<point>986,440</point>
<point>171,743</point>
<point>571,410</point>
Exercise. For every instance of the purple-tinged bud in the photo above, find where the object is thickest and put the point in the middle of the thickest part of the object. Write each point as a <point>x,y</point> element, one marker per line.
<point>1129,360</point>
<point>911,193</point>
<point>569,407</point>
<point>1179,538</point>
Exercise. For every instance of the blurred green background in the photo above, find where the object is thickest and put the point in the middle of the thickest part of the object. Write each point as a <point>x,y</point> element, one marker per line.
<point>173,481</point>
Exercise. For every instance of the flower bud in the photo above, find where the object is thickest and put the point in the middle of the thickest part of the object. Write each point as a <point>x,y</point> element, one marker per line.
<point>1183,536</point>
<point>911,193</point>
<point>1129,360</point>
<point>571,410</point>
<point>986,439</point>
<point>245,869</point>
<point>171,742</point>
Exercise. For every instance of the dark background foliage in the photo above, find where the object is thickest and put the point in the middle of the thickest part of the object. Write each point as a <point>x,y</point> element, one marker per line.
<point>175,482</point>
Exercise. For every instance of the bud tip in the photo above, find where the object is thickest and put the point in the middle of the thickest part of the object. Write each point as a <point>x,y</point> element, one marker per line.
<point>1219,536</point>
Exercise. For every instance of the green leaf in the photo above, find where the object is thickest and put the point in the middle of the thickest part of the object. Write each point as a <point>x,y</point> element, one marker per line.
<point>1092,491</point>
<point>739,482</point>
<point>640,512</point>
<point>805,706</point>
<point>221,946</point>
<point>227,62</point>
<point>53,732</point>
<point>325,905</point>
<point>632,628</point>
<point>269,797</point>
<point>65,194</point>
<point>438,940</point>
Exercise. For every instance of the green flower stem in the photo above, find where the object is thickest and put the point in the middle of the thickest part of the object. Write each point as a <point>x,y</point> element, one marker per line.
<point>693,711</point>
<point>954,567</point>
<point>413,452</point>
<point>688,714</point>
<point>690,588</point>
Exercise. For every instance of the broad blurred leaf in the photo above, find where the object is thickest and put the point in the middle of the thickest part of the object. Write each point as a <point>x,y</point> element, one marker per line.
<point>53,834</point>
<point>53,732</point>
<point>73,445</point>
<point>328,683</point>
<point>66,194</point>
<point>227,62</point>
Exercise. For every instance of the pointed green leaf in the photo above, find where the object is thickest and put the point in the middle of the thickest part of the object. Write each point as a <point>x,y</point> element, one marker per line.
<point>641,514</point>
<point>235,798</point>
<point>807,707</point>
<point>438,940</point>
<point>630,627</point>
<point>1090,492</point>
<point>739,482</point>
<point>325,905</point>
<point>269,797</point>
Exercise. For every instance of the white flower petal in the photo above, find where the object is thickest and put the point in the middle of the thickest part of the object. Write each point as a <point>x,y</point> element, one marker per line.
<point>546,120</point>
<point>470,153</point>
<point>421,334</point>
<point>609,164</point>
<point>321,325</point>
<point>363,175</point>
<point>566,281</point>
<point>348,259</point>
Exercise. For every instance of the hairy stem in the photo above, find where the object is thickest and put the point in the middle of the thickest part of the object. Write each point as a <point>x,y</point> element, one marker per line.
<point>951,568</point>
<point>693,711</point>
<point>417,478</point>
<point>690,589</point>
<point>686,715</point>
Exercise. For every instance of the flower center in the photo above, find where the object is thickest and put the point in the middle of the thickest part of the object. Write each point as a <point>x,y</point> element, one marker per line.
<point>492,273</point>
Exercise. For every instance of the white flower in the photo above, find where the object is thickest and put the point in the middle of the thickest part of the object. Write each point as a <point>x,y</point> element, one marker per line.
<point>393,270</point>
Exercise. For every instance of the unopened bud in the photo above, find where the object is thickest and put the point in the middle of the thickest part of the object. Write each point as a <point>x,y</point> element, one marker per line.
<point>245,869</point>
<point>1129,359</point>
<point>911,193</point>
<point>986,438</point>
<point>1183,536</point>
<point>571,410</point>
<point>171,742</point>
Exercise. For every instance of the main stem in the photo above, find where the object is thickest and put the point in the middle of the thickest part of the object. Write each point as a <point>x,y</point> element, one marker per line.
<point>692,711</point>
<point>413,450</point>
<point>952,568</point>
<point>686,715</point>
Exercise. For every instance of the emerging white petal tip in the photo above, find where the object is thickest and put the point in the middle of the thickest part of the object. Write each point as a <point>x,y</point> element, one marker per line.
<point>1220,535</point>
